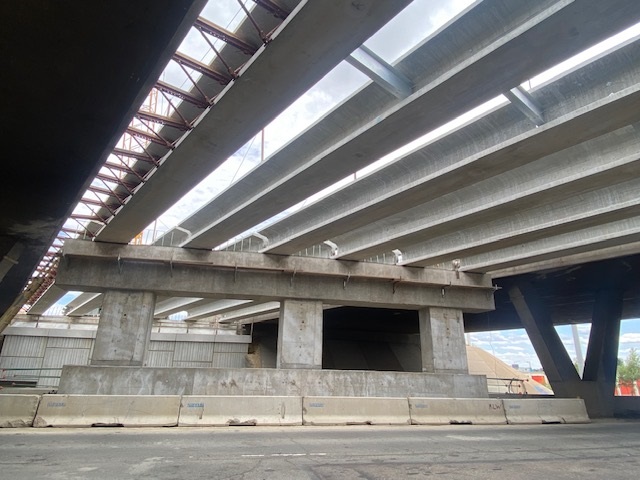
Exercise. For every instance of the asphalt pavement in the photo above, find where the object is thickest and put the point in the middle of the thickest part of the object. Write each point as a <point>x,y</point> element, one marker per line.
<point>600,450</point>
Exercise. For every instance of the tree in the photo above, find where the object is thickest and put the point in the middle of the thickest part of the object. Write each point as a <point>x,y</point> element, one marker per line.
<point>629,370</point>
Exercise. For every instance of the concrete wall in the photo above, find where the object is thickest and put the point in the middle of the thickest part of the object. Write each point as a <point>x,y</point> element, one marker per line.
<point>109,380</point>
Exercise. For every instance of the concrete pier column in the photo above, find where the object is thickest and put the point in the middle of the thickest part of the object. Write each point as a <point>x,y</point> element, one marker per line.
<point>553,356</point>
<point>124,328</point>
<point>300,334</point>
<point>602,353</point>
<point>442,341</point>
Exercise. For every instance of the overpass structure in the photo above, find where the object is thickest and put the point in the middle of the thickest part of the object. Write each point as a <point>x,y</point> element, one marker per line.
<point>519,196</point>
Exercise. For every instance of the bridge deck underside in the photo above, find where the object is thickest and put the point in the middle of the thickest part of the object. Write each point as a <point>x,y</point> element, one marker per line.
<point>506,193</point>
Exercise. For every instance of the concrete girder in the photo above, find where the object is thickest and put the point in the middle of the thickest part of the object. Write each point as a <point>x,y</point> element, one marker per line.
<point>552,179</point>
<point>586,210</point>
<point>241,109</point>
<point>240,262</point>
<point>95,273</point>
<point>215,308</point>
<point>250,312</point>
<point>90,301</point>
<point>532,45</point>
<point>402,182</point>
<point>169,306</point>
<point>47,300</point>
<point>581,241</point>
<point>606,253</point>
<point>425,64</point>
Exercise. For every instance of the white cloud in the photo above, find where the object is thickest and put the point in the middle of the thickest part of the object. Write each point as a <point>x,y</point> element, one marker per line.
<point>630,337</point>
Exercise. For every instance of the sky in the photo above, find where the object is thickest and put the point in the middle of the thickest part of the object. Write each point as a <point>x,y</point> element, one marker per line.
<point>514,348</point>
<point>409,28</point>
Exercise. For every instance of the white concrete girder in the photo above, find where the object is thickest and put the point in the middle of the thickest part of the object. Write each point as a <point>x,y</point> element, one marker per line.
<point>603,161</point>
<point>169,306</point>
<point>250,312</point>
<point>578,212</point>
<point>532,46</point>
<point>47,300</point>
<point>606,253</point>
<point>264,88</point>
<point>87,302</point>
<point>215,308</point>
<point>402,182</point>
<point>583,241</point>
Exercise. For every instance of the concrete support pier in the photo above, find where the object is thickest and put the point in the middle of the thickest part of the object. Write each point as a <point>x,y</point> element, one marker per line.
<point>300,334</point>
<point>598,382</point>
<point>124,328</point>
<point>442,341</point>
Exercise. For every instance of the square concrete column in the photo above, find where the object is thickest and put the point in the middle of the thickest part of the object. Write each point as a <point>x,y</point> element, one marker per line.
<point>442,341</point>
<point>124,328</point>
<point>300,334</point>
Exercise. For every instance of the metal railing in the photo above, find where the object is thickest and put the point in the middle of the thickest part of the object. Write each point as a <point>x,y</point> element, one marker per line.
<point>508,386</point>
<point>30,377</point>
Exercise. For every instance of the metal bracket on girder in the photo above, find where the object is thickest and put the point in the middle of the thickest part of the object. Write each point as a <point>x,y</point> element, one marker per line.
<point>265,240</point>
<point>119,265</point>
<point>444,289</point>
<point>345,281</point>
<point>292,277</point>
<point>332,246</point>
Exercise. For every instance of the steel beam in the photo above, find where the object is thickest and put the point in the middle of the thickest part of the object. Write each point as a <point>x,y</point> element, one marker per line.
<point>374,67</point>
<point>181,94</point>
<point>226,36</point>
<point>524,102</point>
<point>162,120</point>
<point>200,67</point>
<point>141,156</point>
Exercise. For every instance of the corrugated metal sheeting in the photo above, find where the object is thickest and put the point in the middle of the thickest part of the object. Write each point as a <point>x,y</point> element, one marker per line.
<point>42,356</point>
<point>36,354</point>
<point>196,354</point>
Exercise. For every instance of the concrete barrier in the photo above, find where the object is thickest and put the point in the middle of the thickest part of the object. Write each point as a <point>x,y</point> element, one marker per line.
<point>108,410</point>
<point>355,411</point>
<point>548,410</point>
<point>18,410</point>
<point>244,410</point>
<point>445,411</point>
